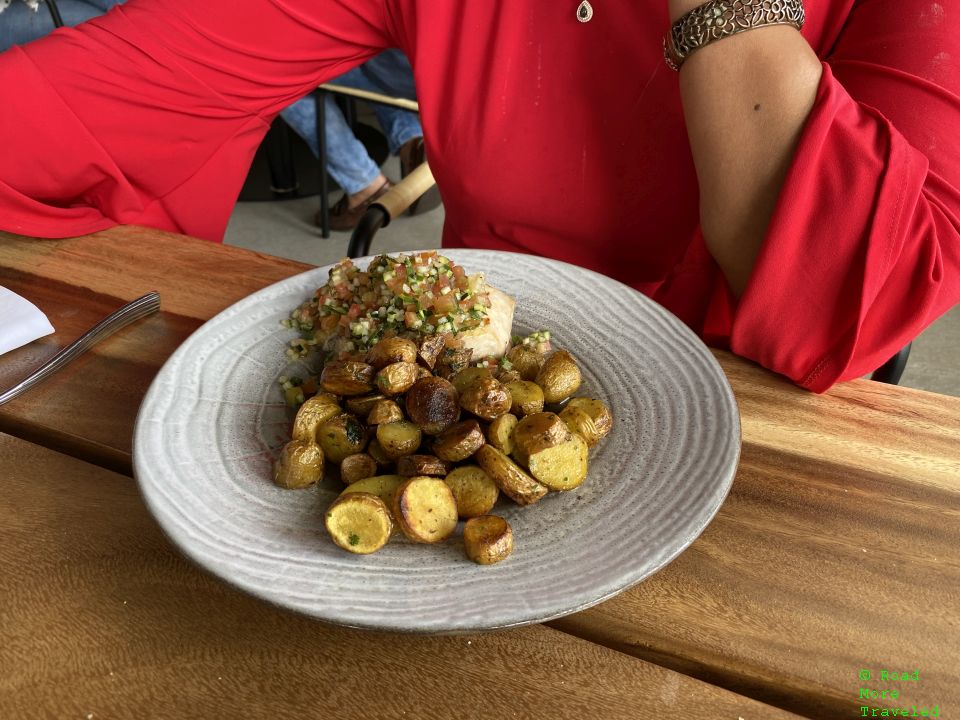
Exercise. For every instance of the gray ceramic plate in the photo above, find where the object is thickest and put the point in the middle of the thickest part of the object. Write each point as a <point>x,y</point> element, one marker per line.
<point>214,420</point>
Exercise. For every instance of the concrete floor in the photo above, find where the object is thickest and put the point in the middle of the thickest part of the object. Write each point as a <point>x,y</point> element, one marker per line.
<point>286,228</point>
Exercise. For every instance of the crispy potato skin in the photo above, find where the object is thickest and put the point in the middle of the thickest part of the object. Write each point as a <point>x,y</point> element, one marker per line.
<point>487,539</point>
<point>432,403</point>
<point>486,398</point>
<point>425,509</point>
<point>311,415</point>
<point>430,348</point>
<point>414,465</point>
<point>392,350</point>
<point>341,436</point>
<point>375,449</point>
<point>347,378</point>
<point>512,481</point>
<point>458,442</point>
<point>525,361</point>
<point>559,377</point>
<point>359,522</point>
<point>300,465</point>
<point>396,378</point>
<point>500,433</point>
<point>579,423</point>
<point>537,432</point>
<point>399,438</point>
<point>357,467</point>
<point>461,381</point>
<point>383,412</point>
<point>383,486</point>
<point>475,492</point>
<point>526,398</point>
<point>598,411</point>
<point>362,404</point>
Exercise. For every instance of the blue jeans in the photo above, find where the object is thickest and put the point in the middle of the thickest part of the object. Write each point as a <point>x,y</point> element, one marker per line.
<point>348,163</point>
<point>19,24</point>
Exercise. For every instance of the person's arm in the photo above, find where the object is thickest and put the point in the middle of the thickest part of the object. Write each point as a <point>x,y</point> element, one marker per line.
<point>745,101</point>
<point>151,114</point>
<point>842,234</point>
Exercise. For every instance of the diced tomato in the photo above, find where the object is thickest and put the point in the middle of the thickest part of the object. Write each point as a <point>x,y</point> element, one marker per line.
<point>344,321</point>
<point>343,290</point>
<point>445,304</point>
<point>354,312</point>
<point>329,322</point>
<point>410,318</point>
<point>459,274</point>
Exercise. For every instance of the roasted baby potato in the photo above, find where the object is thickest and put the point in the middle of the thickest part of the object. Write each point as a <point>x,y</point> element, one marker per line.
<point>559,377</point>
<point>508,376</point>
<point>500,433</point>
<point>423,372</point>
<point>314,412</point>
<point>357,467</point>
<point>430,348</point>
<point>486,398</point>
<point>432,403</point>
<point>341,436</point>
<point>474,491</point>
<point>347,378</point>
<point>525,361</point>
<point>361,406</point>
<point>414,465</point>
<point>598,411</point>
<point>579,423</point>
<point>487,539</point>
<point>514,482</point>
<point>425,509</point>
<point>458,442</point>
<point>392,350</point>
<point>466,376</point>
<point>383,412</point>
<point>375,450</point>
<point>399,438</point>
<point>537,432</point>
<point>526,397</point>
<point>396,378</point>
<point>383,486</point>
<point>300,465</point>
<point>359,522</point>
<point>561,467</point>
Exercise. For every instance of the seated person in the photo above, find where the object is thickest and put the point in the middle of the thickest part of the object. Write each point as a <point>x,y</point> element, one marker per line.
<point>790,194</point>
<point>348,162</point>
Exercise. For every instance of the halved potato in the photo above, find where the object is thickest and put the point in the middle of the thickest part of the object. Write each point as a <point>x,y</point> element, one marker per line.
<point>486,398</point>
<point>598,411</point>
<point>579,423</point>
<point>375,449</point>
<point>526,398</point>
<point>341,436</point>
<point>383,486</point>
<point>514,482</point>
<point>383,412</point>
<point>475,492</point>
<point>432,403</point>
<point>399,438</point>
<point>362,405</point>
<point>537,432</point>
<point>300,465</point>
<point>425,509</point>
<point>357,467</point>
<point>487,539</point>
<point>392,350</point>
<point>563,466</point>
<point>347,378</point>
<point>313,413</point>
<point>414,465</point>
<point>500,433</point>
<point>396,378</point>
<point>459,441</point>
<point>559,377</point>
<point>466,376</point>
<point>359,522</point>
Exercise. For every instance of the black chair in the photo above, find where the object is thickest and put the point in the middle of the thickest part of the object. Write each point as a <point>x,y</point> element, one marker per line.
<point>55,13</point>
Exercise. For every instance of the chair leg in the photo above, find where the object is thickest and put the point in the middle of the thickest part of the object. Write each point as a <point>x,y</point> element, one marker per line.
<point>55,13</point>
<point>320,99</point>
<point>283,175</point>
<point>373,219</point>
<point>892,370</point>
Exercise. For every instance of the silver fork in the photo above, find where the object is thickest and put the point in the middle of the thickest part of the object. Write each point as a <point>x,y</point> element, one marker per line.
<point>131,312</point>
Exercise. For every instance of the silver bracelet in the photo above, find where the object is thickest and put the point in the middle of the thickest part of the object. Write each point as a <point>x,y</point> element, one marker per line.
<point>718,19</point>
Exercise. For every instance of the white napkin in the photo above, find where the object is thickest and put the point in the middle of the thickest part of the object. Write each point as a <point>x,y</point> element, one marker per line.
<point>20,321</point>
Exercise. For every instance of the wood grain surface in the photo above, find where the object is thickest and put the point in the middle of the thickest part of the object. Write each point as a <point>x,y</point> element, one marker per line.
<point>838,549</point>
<point>101,618</point>
<point>88,409</point>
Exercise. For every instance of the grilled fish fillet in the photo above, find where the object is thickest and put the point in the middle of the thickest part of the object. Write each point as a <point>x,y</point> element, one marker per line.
<point>493,339</point>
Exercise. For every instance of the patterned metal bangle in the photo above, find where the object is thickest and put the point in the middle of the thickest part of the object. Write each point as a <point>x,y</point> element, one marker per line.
<point>722,18</point>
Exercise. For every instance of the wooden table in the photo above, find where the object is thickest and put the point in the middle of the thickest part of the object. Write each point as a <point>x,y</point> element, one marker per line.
<point>838,550</point>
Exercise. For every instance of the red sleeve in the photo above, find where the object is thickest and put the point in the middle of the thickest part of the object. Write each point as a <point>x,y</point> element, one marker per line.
<point>863,251</point>
<point>151,114</point>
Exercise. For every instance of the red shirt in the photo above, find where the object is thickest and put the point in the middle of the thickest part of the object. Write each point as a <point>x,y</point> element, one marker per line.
<point>546,135</point>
